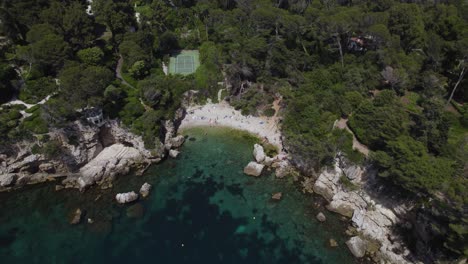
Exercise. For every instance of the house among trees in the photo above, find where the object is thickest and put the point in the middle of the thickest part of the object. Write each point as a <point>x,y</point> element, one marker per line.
<point>360,43</point>
<point>94,116</point>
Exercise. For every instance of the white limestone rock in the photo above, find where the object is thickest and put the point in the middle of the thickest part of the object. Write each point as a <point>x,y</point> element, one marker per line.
<point>321,217</point>
<point>128,197</point>
<point>113,160</point>
<point>176,142</point>
<point>357,246</point>
<point>254,169</point>
<point>268,161</point>
<point>7,179</point>
<point>145,189</point>
<point>173,153</point>
<point>259,153</point>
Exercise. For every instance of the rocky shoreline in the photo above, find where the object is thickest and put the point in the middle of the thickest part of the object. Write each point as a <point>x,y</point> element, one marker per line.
<point>89,155</point>
<point>97,155</point>
<point>371,222</point>
<point>342,186</point>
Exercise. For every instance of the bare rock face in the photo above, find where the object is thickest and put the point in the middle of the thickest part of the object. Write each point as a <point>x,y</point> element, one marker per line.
<point>254,169</point>
<point>353,173</point>
<point>89,155</point>
<point>357,246</point>
<point>145,189</point>
<point>321,217</point>
<point>177,141</point>
<point>7,179</point>
<point>259,153</point>
<point>327,183</point>
<point>173,153</point>
<point>124,198</point>
<point>112,161</point>
<point>47,167</point>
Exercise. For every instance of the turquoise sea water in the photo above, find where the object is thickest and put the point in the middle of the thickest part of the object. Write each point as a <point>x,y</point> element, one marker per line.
<point>202,209</point>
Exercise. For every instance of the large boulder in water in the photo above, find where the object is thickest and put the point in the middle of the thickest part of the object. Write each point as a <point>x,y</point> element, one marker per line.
<point>76,217</point>
<point>173,153</point>
<point>129,197</point>
<point>145,189</point>
<point>357,246</point>
<point>254,169</point>
<point>321,217</point>
<point>259,153</point>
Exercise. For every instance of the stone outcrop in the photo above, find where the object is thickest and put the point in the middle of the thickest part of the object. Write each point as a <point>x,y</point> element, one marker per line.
<point>128,197</point>
<point>89,155</point>
<point>254,169</point>
<point>145,189</point>
<point>258,153</point>
<point>372,220</point>
<point>176,142</point>
<point>7,179</point>
<point>357,246</point>
<point>112,161</point>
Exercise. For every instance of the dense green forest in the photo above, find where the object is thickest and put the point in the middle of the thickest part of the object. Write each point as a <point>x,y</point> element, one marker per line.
<point>395,69</point>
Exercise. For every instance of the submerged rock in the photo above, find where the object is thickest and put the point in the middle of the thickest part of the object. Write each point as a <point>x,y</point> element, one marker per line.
<point>357,246</point>
<point>123,198</point>
<point>321,217</point>
<point>332,242</point>
<point>135,211</point>
<point>145,189</point>
<point>259,153</point>
<point>76,217</point>
<point>254,169</point>
<point>277,196</point>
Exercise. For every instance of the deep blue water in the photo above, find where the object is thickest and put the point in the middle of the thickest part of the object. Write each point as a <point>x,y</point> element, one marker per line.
<point>202,209</point>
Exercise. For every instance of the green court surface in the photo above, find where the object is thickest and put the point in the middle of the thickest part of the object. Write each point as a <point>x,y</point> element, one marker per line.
<point>184,62</point>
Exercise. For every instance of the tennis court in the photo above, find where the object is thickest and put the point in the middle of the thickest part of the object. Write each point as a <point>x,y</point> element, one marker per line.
<point>184,62</point>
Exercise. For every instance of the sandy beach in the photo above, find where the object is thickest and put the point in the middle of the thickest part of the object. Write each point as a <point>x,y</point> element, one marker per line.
<point>222,114</point>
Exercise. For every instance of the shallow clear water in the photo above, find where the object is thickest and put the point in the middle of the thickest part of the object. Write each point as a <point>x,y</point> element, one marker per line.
<point>202,209</point>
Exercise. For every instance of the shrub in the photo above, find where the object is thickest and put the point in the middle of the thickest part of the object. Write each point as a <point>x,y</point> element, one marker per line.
<point>269,112</point>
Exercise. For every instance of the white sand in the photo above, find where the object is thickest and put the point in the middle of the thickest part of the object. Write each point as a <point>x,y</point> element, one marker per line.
<point>222,114</point>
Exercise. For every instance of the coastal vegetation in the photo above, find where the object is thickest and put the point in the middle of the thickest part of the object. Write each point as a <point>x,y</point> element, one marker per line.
<point>396,70</point>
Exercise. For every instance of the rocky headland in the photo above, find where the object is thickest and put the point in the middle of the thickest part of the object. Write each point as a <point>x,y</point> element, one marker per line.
<point>88,155</point>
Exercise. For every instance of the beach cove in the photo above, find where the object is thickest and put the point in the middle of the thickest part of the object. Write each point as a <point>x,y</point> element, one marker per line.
<point>202,208</point>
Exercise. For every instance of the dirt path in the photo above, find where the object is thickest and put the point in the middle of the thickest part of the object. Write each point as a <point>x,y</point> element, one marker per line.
<point>343,124</point>
<point>118,72</point>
